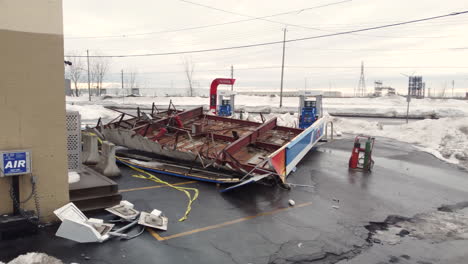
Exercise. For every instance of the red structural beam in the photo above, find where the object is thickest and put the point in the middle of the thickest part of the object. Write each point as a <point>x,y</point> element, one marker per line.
<point>189,114</point>
<point>251,137</point>
<point>231,120</point>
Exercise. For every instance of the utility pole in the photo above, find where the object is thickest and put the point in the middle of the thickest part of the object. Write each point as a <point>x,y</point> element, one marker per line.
<point>408,98</point>
<point>89,81</point>
<point>453,87</point>
<point>232,77</point>
<point>282,69</point>
<point>121,75</point>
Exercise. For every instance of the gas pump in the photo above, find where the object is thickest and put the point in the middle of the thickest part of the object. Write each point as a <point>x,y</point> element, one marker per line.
<point>226,103</point>
<point>310,109</point>
<point>214,93</point>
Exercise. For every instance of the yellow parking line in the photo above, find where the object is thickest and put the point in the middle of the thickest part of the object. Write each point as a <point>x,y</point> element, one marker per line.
<point>160,238</point>
<point>154,187</point>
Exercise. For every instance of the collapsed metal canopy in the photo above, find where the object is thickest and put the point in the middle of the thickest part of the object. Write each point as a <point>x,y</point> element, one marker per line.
<point>235,148</point>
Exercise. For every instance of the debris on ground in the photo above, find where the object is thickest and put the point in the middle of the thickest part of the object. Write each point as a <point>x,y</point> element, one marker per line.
<point>292,202</point>
<point>77,227</point>
<point>155,219</point>
<point>124,210</point>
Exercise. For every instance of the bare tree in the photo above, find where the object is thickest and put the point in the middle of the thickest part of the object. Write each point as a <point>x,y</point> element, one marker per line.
<point>189,67</point>
<point>75,71</point>
<point>99,66</point>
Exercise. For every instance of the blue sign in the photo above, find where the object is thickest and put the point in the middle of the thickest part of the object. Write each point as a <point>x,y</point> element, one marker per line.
<point>15,163</point>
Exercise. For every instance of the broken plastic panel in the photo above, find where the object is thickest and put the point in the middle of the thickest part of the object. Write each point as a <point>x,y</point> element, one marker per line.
<point>124,210</point>
<point>249,181</point>
<point>154,219</point>
<point>77,227</point>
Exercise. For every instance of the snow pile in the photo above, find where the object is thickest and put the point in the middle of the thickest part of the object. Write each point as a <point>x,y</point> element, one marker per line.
<point>445,138</point>
<point>92,112</point>
<point>73,177</point>
<point>35,258</point>
<point>391,106</point>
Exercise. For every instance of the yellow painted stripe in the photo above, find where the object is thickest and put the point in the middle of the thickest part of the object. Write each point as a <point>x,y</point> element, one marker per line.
<point>160,238</point>
<point>154,187</point>
<point>154,234</point>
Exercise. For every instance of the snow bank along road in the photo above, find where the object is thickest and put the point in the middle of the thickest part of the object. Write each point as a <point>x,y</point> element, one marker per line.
<point>446,138</point>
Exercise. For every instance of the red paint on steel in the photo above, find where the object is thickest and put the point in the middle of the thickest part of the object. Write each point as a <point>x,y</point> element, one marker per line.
<point>178,122</point>
<point>214,91</point>
<point>161,133</point>
<point>354,160</point>
<point>251,137</point>
<point>232,120</point>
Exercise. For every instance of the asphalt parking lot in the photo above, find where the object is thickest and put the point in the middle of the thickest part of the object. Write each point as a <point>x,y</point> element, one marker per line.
<point>255,224</point>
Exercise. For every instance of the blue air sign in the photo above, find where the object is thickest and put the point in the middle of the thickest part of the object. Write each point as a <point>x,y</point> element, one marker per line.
<point>15,162</point>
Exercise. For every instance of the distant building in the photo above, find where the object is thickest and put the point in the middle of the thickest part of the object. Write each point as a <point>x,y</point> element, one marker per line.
<point>379,89</point>
<point>332,94</point>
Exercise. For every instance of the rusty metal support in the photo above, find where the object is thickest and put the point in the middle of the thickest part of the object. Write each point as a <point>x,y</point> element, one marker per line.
<point>231,120</point>
<point>251,137</point>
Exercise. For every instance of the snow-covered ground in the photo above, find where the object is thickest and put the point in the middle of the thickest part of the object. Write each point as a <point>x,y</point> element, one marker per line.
<point>384,106</point>
<point>446,138</point>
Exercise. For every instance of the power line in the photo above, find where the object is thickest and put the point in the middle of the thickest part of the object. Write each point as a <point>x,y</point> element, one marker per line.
<point>250,18</point>
<point>310,67</point>
<point>296,25</point>
<point>278,42</point>
<point>264,18</point>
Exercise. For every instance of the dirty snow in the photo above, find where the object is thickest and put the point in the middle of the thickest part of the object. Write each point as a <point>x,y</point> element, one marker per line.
<point>35,258</point>
<point>73,177</point>
<point>386,106</point>
<point>435,226</point>
<point>92,111</point>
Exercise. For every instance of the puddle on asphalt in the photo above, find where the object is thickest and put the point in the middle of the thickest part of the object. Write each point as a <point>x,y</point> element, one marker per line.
<point>454,179</point>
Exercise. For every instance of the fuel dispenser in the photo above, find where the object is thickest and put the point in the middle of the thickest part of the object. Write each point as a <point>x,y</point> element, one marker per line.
<point>310,109</point>
<point>214,103</point>
<point>226,103</point>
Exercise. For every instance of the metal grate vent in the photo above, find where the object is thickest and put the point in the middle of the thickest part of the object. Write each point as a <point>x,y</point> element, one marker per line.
<point>73,125</point>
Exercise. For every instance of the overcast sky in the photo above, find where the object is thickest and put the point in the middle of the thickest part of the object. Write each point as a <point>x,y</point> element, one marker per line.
<point>437,49</point>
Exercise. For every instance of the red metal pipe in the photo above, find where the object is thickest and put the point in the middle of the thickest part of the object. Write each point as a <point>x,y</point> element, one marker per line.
<point>214,91</point>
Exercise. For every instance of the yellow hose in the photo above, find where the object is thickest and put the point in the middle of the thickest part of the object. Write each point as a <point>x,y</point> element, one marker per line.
<point>153,178</point>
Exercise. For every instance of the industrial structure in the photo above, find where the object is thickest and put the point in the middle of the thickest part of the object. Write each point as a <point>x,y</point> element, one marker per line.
<point>416,87</point>
<point>361,91</point>
<point>379,89</point>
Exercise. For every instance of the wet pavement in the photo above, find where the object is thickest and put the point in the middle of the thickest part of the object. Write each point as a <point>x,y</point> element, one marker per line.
<point>255,224</point>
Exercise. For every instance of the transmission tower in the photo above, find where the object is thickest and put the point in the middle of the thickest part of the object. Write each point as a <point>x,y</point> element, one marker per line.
<point>361,89</point>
